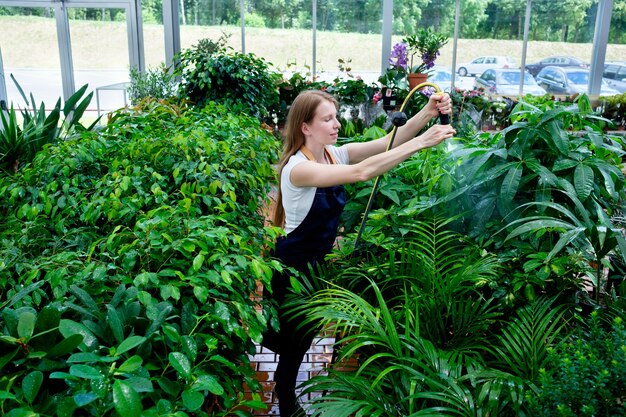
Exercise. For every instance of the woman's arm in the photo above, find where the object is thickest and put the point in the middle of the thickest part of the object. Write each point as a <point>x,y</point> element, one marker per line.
<point>436,103</point>
<point>313,174</point>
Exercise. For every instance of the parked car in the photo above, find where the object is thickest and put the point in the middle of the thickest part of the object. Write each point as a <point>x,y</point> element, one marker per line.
<point>569,80</point>
<point>441,76</point>
<point>505,81</point>
<point>556,61</point>
<point>483,63</point>
<point>615,75</point>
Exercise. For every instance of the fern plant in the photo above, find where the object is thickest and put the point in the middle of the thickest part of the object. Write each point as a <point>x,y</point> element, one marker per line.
<point>417,326</point>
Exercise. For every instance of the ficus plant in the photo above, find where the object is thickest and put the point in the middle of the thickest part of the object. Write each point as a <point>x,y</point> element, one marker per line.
<point>149,236</point>
<point>211,71</point>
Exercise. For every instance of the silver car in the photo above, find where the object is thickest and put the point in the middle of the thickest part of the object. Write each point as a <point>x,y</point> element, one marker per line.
<point>505,82</point>
<point>569,80</point>
<point>483,63</point>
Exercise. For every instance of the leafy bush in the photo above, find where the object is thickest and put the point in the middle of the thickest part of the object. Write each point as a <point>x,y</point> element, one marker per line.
<point>159,83</point>
<point>553,178</point>
<point>614,109</point>
<point>587,375</point>
<point>211,72</point>
<point>129,258</point>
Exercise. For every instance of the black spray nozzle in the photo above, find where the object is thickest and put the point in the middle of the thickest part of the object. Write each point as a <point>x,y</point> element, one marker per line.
<point>444,119</point>
<point>398,118</point>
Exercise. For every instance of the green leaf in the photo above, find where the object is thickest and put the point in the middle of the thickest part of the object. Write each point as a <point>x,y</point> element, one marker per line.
<point>511,183</point>
<point>115,323</point>
<point>26,324</point>
<point>21,412</point>
<point>85,371</point>
<point>69,328</point>
<point>130,343</point>
<point>208,383</point>
<point>181,363</point>
<point>7,358</point>
<point>31,385</point>
<point>140,384</point>
<point>126,400</point>
<point>131,364</point>
<point>198,261</point>
<point>583,181</point>
<point>193,400</point>
<point>85,398</point>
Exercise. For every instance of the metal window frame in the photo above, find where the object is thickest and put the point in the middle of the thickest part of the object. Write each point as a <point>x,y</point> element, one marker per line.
<point>133,23</point>
<point>172,34</point>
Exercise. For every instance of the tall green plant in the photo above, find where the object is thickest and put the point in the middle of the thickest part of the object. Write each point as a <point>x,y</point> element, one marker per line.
<point>416,328</point>
<point>241,81</point>
<point>151,247</point>
<point>20,143</point>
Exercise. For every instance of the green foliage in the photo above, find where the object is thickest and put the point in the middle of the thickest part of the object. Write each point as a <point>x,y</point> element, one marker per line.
<point>159,83</point>
<point>289,88</point>
<point>241,81</point>
<point>149,236</point>
<point>587,375</point>
<point>614,109</point>
<point>414,324</point>
<point>552,162</point>
<point>20,144</point>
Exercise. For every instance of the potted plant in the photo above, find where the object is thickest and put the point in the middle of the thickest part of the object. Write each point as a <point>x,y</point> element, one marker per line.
<point>424,48</point>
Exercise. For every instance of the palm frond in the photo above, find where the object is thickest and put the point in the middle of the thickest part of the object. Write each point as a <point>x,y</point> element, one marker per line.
<point>524,342</point>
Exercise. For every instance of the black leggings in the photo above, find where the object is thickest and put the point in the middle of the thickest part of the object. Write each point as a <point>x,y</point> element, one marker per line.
<point>291,344</point>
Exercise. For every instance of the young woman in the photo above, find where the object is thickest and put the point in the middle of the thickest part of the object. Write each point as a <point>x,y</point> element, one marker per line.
<point>311,197</point>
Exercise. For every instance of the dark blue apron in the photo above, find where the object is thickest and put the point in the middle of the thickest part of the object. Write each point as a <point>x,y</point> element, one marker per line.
<point>305,247</point>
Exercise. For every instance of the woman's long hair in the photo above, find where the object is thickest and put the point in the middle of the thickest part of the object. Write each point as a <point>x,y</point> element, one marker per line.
<point>302,110</point>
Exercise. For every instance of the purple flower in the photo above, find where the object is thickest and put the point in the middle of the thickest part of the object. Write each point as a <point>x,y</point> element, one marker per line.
<point>399,56</point>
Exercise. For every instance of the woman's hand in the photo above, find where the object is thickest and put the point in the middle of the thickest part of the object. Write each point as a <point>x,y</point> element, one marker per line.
<point>435,135</point>
<point>439,103</point>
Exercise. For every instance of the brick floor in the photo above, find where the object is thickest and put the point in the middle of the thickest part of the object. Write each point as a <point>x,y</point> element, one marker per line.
<point>316,361</point>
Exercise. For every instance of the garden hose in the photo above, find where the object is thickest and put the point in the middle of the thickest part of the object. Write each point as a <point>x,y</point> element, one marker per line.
<point>398,119</point>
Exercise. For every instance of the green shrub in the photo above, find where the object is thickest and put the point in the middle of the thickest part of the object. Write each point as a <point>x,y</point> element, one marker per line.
<point>241,81</point>
<point>144,243</point>
<point>159,83</point>
<point>614,109</point>
<point>586,376</point>
<point>20,143</point>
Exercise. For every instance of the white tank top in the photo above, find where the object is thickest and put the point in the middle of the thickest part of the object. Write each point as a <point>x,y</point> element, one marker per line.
<point>297,201</point>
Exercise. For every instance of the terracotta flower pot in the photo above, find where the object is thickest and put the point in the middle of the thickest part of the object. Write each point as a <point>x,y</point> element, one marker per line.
<point>416,79</point>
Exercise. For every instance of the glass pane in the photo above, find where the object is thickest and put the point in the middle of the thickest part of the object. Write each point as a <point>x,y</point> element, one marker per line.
<point>100,55</point>
<point>280,32</point>
<point>153,33</point>
<point>616,51</point>
<point>32,55</point>
<point>565,30</point>
<point>210,19</point>
<point>349,38</point>
<point>489,38</point>
<point>437,15</point>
